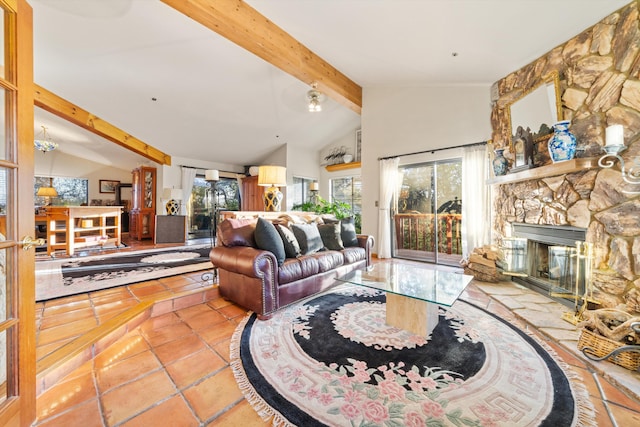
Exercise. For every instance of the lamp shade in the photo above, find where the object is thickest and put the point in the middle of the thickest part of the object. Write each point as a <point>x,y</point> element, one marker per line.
<point>172,193</point>
<point>314,186</point>
<point>272,176</point>
<point>47,192</point>
<point>211,175</point>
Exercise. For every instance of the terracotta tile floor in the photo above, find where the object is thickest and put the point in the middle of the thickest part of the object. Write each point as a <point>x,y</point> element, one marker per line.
<point>174,368</point>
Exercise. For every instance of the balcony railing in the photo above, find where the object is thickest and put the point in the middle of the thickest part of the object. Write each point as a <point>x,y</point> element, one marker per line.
<point>417,232</point>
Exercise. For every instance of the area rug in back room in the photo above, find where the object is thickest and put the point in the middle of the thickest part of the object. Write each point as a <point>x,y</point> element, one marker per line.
<point>332,360</point>
<point>57,278</point>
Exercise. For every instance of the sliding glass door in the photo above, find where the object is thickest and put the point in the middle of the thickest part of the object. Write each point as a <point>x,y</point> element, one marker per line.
<point>428,212</point>
<point>206,201</point>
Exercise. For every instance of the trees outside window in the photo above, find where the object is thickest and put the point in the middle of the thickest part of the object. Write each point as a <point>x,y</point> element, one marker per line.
<point>200,208</point>
<point>71,191</point>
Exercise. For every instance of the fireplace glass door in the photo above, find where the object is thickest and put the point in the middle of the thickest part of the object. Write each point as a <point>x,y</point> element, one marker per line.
<point>428,212</point>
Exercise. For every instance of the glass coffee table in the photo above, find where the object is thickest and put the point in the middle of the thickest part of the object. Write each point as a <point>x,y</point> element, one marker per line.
<point>413,292</point>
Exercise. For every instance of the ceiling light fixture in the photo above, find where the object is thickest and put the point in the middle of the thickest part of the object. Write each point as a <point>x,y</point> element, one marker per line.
<point>43,141</point>
<point>314,96</point>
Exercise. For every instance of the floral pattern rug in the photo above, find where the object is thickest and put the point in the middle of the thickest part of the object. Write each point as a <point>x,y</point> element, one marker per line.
<point>69,276</point>
<point>332,360</point>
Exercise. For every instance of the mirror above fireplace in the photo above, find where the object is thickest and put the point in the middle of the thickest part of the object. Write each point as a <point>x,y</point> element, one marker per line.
<point>538,109</point>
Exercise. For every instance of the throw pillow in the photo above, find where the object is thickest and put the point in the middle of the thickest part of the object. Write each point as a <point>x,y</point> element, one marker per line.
<point>330,219</point>
<point>330,234</point>
<point>237,232</point>
<point>348,232</point>
<point>291,246</point>
<point>268,239</point>
<point>308,238</point>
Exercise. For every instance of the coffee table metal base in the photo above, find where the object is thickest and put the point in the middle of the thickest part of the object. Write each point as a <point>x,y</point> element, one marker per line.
<point>413,315</point>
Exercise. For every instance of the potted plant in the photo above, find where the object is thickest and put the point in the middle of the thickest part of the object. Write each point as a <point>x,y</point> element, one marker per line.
<point>338,209</point>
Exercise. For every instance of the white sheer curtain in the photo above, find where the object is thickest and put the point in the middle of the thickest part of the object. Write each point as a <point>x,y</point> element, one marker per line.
<point>239,179</point>
<point>188,176</point>
<point>476,204</point>
<point>388,185</point>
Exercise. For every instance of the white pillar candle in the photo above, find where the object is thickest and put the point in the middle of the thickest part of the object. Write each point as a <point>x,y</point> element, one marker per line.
<point>614,135</point>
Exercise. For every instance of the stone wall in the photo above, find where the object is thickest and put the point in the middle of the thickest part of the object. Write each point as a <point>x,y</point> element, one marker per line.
<point>600,85</point>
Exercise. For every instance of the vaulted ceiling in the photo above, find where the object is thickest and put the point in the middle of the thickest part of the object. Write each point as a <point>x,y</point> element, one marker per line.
<point>175,84</point>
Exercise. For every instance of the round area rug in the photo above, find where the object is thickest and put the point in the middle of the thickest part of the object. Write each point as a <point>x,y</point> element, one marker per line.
<point>332,360</point>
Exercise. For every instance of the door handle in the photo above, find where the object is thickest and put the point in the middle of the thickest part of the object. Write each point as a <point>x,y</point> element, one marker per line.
<point>28,242</point>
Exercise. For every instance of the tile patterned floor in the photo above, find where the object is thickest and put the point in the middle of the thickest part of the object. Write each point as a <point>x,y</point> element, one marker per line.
<point>174,369</point>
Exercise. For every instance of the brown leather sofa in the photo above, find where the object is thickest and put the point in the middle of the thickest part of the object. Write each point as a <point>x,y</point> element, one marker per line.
<point>252,278</point>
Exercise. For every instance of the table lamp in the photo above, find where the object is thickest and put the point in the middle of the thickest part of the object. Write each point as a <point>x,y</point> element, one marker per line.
<point>272,177</point>
<point>47,193</point>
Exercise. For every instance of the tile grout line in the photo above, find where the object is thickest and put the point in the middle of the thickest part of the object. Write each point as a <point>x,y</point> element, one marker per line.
<point>603,398</point>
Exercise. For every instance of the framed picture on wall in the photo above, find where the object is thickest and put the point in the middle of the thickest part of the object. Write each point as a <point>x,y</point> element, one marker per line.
<point>358,148</point>
<point>108,186</point>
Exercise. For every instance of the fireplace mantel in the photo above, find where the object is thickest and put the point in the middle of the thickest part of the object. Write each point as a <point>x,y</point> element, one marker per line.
<point>554,169</point>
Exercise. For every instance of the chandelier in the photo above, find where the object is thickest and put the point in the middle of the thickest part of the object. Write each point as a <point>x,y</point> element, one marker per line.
<point>43,141</point>
<point>315,97</point>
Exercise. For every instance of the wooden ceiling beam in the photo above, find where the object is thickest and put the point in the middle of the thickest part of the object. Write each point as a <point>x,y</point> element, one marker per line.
<point>54,104</point>
<point>246,27</point>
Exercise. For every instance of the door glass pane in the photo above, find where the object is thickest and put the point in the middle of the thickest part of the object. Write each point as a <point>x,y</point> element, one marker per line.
<point>449,213</point>
<point>414,219</point>
<point>3,366</point>
<point>3,120</point>
<point>2,51</point>
<point>199,209</point>
<point>3,203</point>
<point>205,204</point>
<point>428,213</point>
<point>4,297</point>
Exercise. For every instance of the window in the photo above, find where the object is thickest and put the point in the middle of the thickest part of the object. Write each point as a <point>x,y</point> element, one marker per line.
<point>428,212</point>
<point>71,191</point>
<point>348,190</point>
<point>200,208</point>
<point>301,191</point>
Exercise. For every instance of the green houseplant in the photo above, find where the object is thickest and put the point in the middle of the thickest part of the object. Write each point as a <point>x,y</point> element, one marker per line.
<point>338,209</point>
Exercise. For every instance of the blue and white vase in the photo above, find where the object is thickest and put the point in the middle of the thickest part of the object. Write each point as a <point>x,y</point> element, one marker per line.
<point>562,145</point>
<point>500,163</point>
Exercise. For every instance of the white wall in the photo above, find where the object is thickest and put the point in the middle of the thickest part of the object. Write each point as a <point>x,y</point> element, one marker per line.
<point>59,164</point>
<point>348,141</point>
<point>399,120</point>
<point>302,163</point>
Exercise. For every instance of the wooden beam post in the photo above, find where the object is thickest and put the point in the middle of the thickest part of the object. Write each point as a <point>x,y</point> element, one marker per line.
<point>54,104</point>
<point>246,27</point>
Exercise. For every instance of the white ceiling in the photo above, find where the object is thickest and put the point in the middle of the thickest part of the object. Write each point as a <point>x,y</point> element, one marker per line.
<point>217,102</point>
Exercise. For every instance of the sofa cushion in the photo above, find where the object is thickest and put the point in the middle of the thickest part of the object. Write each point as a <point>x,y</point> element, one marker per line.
<point>268,239</point>
<point>354,254</point>
<point>328,260</point>
<point>330,234</point>
<point>348,232</point>
<point>291,246</point>
<point>308,238</point>
<point>237,232</point>
<point>297,268</point>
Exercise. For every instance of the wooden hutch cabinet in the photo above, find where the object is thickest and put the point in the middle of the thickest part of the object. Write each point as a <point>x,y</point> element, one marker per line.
<point>252,194</point>
<point>143,212</point>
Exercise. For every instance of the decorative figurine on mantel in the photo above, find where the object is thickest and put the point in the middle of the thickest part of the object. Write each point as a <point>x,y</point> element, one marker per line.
<point>523,150</point>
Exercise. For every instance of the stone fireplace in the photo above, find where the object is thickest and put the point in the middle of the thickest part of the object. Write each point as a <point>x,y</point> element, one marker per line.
<point>599,72</point>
